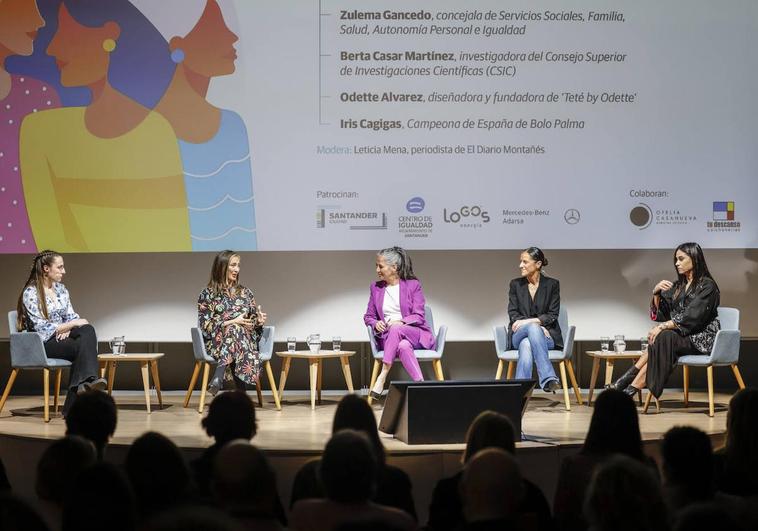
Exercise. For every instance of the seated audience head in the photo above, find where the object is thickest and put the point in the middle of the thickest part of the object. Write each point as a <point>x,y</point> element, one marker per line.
<point>193,519</point>
<point>489,429</point>
<point>491,486</point>
<point>624,495</point>
<point>741,432</point>
<point>354,413</point>
<point>231,416</point>
<point>158,473</point>
<point>614,427</point>
<point>244,479</point>
<point>100,498</point>
<point>348,468</point>
<point>60,464</point>
<point>93,416</point>
<point>17,515</point>
<point>394,260</point>
<point>705,517</point>
<point>688,462</point>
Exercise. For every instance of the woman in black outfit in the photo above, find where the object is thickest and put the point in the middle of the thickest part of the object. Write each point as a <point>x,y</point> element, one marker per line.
<point>393,485</point>
<point>534,302</point>
<point>687,315</point>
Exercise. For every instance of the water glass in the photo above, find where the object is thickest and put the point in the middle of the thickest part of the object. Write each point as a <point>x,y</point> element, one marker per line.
<point>643,344</point>
<point>619,345</point>
<point>605,343</point>
<point>336,343</point>
<point>118,345</point>
<point>291,344</point>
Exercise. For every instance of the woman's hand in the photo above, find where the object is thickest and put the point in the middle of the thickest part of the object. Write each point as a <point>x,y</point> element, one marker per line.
<point>394,323</point>
<point>663,285</point>
<point>523,322</point>
<point>240,320</point>
<point>261,318</point>
<point>654,333</point>
<point>380,326</point>
<point>60,336</point>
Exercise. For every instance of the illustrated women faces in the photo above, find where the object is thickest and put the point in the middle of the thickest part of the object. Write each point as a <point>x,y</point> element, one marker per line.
<point>19,22</point>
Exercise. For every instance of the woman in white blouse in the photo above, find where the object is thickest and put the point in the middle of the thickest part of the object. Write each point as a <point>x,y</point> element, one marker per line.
<point>44,307</point>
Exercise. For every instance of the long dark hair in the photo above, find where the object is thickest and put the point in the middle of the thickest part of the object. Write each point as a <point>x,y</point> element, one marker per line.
<point>742,438</point>
<point>398,257</point>
<point>536,254</point>
<point>354,413</point>
<point>219,270</point>
<point>36,279</point>
<point>614,428</point>
<point>699,267</point>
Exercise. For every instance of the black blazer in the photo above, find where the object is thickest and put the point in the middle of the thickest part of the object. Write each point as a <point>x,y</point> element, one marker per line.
<point>545,306</point>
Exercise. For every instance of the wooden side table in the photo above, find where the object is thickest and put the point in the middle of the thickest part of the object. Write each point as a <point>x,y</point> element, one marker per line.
<point>610,358</point>
<point>315,365</point>
<point>108,364</point>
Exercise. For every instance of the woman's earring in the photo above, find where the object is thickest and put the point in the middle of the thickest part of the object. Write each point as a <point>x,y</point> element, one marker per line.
<point>177,55</point>
<point>109,45</point>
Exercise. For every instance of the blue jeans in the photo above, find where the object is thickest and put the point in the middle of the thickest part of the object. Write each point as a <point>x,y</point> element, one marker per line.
<point>532,350</point>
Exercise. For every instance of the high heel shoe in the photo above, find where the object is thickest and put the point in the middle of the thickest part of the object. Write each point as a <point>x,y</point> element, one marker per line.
<point>214,387</point>
<point>625,379</point>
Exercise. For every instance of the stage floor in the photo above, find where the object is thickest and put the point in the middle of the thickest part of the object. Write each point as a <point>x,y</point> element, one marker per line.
<point>297,428</point>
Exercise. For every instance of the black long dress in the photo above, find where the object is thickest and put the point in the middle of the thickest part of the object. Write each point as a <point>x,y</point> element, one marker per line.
<point>695,313</point>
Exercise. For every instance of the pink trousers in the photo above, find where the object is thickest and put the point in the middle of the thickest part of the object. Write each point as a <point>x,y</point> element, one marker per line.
<point>399,341</point>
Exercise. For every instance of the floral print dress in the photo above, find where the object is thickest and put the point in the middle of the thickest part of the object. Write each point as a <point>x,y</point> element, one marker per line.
<point>233,345</point>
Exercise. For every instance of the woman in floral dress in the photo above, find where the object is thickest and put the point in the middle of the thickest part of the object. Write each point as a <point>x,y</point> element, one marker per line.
<point>231,323</point>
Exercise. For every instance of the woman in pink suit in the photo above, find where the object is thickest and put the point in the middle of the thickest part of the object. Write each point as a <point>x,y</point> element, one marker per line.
<point>396,314</point>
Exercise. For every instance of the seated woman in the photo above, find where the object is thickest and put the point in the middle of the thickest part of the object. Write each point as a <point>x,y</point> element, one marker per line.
<point>396,313</point>
<point>687,313</point>
<point>534,301</point>
<point>44,307</point>
<point>231,323</point>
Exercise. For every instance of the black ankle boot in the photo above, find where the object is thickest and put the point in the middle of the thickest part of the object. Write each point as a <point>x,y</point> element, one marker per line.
<point>625,379</point>
<point>630,390</point>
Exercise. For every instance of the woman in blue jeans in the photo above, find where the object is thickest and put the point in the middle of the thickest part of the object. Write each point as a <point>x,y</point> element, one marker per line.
<point>534,301</point>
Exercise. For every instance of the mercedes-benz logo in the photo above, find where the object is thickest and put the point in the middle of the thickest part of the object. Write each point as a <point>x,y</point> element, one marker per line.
<point>572,216</point>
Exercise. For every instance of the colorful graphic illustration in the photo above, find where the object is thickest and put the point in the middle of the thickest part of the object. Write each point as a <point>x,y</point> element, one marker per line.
<point>213,142</point>
<point>137,159</point>
<point>20,20</point>
<point>108,176</point>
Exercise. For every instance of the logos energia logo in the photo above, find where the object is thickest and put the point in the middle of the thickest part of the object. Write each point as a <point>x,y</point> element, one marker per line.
<point>641,216</point>
<point>465,214</point>
<point>415,205</point>
<point>723,211</point>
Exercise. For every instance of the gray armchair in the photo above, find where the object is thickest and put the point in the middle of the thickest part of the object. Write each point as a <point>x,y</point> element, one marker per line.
<point>435,356</point>
<point>204,361</point>
<point>28,352</point>
<point>726,351</point>
<point>561,357</point>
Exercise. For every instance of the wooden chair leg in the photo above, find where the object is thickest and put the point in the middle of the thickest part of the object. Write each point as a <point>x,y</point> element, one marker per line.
<point>374,376</point>
<point>9,386</point>
<point>509,372</point>
<point>572,377</point>
<point>259,392</point>
<point>735,370</point>
<point>58,375</point>
<point>193,381</point>
<point>686,381</point>
<point>709,370</point>
<point>564,383</point>
<point>204,386</point>
<point>437,364</point>
<point>648,399</point>
<point>272,383</point>
<point>46,393</point>
<point>499,371</point>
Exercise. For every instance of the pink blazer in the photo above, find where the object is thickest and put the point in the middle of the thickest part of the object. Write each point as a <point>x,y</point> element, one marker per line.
<point>411,308</point>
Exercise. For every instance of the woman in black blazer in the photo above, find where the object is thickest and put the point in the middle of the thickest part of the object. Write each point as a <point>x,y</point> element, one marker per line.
<point>534,301</point>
